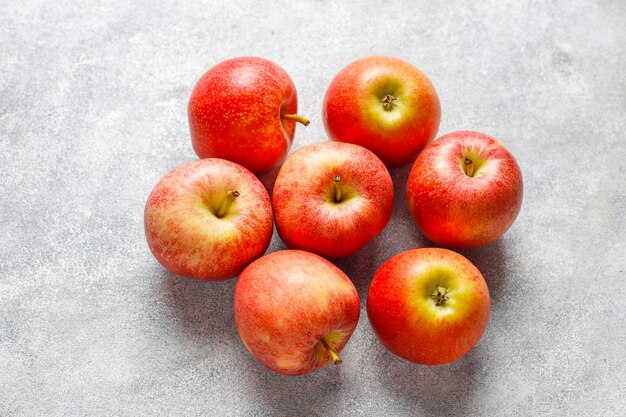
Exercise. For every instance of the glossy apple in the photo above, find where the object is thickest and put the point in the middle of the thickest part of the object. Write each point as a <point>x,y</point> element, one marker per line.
<point>332,198</point>
<point>295,311</point>
<point>464,190</point>
<point>384,104</point>
<point>244,110</point>
<point>208,219</point>
<point>429,306</point>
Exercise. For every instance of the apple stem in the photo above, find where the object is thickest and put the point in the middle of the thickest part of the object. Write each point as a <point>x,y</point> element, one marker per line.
<point>388,101</point>
<point>333,355</point>
<point>230,197</point>
<point>296,117</point>
<point>469,167</point>
<point>337,188</point>
<point>440,295</point>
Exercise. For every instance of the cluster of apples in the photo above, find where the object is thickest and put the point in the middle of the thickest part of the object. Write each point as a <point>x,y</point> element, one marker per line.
<point>212,219</point>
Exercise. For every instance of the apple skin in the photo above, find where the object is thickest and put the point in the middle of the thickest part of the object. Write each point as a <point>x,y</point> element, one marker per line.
<point>406,317</point>
<point>286,302</point>
<point>307,216</point>
<point>235,113</point>
<point>354,111</point>
<point>183,230</point>
<point>455,210</point>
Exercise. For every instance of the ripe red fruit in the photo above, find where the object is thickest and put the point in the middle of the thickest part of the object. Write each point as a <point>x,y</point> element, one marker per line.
<point>244,110</point>
<point>295,311</point>
<point>429,306</point>
<point>384,104</point>
<point>464,190</point>
<point>208,219</point>
<point>332,198</point>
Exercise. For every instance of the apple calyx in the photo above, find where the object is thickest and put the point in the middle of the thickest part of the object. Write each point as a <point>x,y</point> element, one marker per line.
<point>440,295</point>
<point>468,167</point>
<point>230,197</point>
<point>333,355</point>
<point>296,117</point>
<point>337,195</point>
<point>388,101</point>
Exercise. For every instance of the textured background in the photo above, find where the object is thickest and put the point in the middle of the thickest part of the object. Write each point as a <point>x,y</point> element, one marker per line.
<point>93,102</point>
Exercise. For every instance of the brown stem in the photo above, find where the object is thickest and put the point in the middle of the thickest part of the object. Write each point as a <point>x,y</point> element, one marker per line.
<point>469,167</point>
<point>333,355</point>
<point>337,188</point>
<point>230,197</point>
<point>296,117</point>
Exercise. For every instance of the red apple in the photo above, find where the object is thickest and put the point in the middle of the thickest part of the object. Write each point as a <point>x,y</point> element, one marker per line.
<point>332,198</point>
<point>295,311</point>
<point>464,190</point>
<point>429,306</point>
<point>244,110</point>
<point>208,219</point>
<point>384,104</point>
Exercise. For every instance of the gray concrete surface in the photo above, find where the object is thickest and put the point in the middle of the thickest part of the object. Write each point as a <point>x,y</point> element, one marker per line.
<point>93,112</point>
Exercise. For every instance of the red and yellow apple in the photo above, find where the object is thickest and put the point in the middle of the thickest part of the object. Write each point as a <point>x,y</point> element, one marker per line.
<point>384,104</point>
<point>464,190</point>
<point>208,219</point>
<point>244,110</point>
<point>331,198</point>
<point>429,306</point>
<point>295,311</point>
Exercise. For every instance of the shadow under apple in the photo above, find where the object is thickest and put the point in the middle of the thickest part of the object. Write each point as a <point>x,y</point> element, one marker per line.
<point>493,261</point>
<point>360,268</point>
<point>440,390</point>
<point>202,311</point>
<point>315,394</point>
<point>269,178</point>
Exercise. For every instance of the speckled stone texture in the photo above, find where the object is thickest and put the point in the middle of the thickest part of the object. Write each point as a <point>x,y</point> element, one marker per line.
<point>93,100</point>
